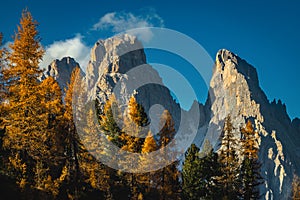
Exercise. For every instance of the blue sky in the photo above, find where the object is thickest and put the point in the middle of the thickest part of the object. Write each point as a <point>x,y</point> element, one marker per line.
<point>265,33</point>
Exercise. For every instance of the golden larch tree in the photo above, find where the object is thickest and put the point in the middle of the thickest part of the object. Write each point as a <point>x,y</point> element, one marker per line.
<point>25,134</point>
<point>169,186</point>
<point>72,144</point>
<point>250,168</point>
<point>135,120</point>
<point>148,181</point>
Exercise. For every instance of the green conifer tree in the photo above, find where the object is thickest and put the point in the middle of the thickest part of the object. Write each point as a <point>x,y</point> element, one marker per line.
<point>200,172</point>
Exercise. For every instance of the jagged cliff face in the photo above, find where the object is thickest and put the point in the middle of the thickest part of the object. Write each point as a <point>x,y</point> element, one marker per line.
<point>61,71</point>
<point>118,65</point>
<point>235,91</point>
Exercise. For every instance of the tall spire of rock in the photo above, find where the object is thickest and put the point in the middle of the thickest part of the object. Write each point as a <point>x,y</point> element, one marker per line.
<point>235,91</point>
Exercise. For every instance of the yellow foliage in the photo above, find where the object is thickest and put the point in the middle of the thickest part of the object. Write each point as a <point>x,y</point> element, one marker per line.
<point>149,144</point>
<point>249,142</point>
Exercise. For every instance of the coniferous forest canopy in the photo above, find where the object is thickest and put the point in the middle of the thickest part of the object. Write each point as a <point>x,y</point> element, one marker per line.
<point>42,156</point>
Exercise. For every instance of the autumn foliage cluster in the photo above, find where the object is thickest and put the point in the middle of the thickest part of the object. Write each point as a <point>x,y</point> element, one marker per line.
<point>43,157</point>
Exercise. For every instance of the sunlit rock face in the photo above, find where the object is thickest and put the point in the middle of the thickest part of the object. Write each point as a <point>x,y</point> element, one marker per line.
<point>235,91</point>
<point>118,66</point>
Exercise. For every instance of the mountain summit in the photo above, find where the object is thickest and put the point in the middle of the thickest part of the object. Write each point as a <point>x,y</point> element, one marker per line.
<point>235,91</point>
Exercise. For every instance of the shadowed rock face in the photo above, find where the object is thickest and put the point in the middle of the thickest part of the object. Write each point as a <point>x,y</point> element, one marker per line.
<point>61,71</point>
<point>234,90</point>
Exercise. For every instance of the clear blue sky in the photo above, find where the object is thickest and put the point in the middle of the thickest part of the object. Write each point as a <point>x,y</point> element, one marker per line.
<point>265,33</point>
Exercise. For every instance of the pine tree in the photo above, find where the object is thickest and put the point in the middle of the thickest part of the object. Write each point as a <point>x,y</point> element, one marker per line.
<point>210,170</point>
<point>108,121</point>
<point>200,171</point>
<point>191,176</point>
<point>229,162</point>
<point>250,168</point>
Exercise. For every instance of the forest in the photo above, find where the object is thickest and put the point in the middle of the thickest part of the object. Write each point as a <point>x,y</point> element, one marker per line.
<point>42,156</point>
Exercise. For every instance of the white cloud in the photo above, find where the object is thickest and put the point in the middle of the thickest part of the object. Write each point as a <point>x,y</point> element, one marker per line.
<point>122,22</point>
<point>114,22</point>
<point>73,47</point>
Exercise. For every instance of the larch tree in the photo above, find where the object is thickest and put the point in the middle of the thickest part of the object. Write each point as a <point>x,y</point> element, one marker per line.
<point>52,157</point>
<point>132,137</point>
<point>134,122</point>
<point>169,182</point>
<point>93,171</point>
<point>229,162</point>
<point>147,180</point>
<point>250,168</point>
<point>25,128</point>
<point>52,106</point>
<point>2,88</point>
<point>295,193</point>
<point>72,143</point>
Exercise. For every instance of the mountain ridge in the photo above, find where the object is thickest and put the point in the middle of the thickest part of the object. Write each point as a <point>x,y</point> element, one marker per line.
<point>234,90</point>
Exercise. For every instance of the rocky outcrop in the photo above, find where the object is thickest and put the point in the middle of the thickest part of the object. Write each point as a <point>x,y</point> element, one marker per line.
<point>118,65</point>
<point>61,71</point>
<point>235,91</point>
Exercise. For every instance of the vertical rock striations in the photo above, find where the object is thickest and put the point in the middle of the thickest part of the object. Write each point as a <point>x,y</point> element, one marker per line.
<point>235,91</point>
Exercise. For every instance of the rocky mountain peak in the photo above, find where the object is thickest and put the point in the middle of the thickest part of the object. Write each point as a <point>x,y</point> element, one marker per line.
<point>61,70</point>
<point>115,55</point>
<point>225,57</point>
<point>235,91</point>
<point>121,52</point>
<point>117,65</point>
